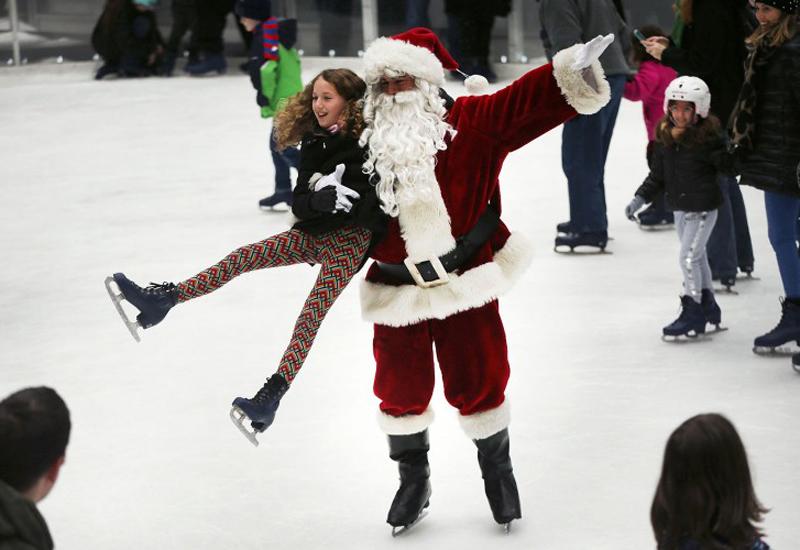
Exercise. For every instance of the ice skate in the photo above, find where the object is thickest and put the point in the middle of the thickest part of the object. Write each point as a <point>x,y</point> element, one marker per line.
<point>153,301</point>
<point>689,325</point>
<point>746,274</point>
<point>260,410</point>
<point>655,219</point>
<point>787,330</point>
<point>279,197</point>
<point>727,283</point>
<point>796,362</point>
<point>413,496</point>
<point>586,243</point>
<point>498,478</point>
<point>564,227</point>
<point>711,311</point>
<point>208,64</point>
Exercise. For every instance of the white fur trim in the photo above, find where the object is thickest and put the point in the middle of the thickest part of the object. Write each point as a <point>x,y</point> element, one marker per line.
<point>582,97</point>
<point>388,53</point>
<point>405,425</point>
<point>425,227</point>
<point>487,423</point>
<point>398,306</point>
<point>476,84</point>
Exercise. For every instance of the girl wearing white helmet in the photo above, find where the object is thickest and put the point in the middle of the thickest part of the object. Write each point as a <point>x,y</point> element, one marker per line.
<point>766,131</point>
<point>688,155</point>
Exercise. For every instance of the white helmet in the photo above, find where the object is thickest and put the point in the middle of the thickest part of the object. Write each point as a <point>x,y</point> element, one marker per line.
<point>691,89</point>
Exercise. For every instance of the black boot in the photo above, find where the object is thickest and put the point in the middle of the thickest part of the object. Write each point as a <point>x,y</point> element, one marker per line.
<point>498,477</point>
<point>153,301</point>
<point>787,329</point>
<point>691,322</point>
<point>411,454</point>
<point>710,308</point>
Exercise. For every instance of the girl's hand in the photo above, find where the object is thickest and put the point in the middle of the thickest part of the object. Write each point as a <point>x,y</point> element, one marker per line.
<point>655,46</point>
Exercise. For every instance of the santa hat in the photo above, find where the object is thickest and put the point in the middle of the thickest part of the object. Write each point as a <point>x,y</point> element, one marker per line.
<point>417,52</point>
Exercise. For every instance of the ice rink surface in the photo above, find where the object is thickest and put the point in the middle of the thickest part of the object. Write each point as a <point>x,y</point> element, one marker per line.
<point>160,178</point>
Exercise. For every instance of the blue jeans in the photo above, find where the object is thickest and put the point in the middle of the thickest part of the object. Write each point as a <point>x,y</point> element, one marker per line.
<point>730,245</point>
<point>782,214</point>
<point>417,13</point>
<point>584,148</point>
<point>283,160</point>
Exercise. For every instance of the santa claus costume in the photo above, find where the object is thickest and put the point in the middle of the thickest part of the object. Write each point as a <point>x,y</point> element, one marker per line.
<point>448,256</point>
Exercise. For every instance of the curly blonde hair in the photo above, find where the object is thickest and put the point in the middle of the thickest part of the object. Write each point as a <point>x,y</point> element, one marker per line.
<point>297,119</point>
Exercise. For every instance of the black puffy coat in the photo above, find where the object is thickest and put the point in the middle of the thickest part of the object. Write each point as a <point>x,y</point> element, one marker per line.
<point>126,36</point>
<point>320,152</point>
<point>687,175</point>
<point>713,49</point>
<point>775,160</point>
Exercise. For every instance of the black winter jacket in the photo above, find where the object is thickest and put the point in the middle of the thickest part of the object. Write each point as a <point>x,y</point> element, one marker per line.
<point>320,152</point>
<point>686,175</point>
<point>774,163</point>
<point>713,49</point>
<point>126,36</point>
<point>21,525</point>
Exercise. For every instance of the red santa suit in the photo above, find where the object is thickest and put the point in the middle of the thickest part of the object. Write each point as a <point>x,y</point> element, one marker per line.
<point>460,317</point>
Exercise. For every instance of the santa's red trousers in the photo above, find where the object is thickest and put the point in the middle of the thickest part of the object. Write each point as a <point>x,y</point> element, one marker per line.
<point>472,354</point>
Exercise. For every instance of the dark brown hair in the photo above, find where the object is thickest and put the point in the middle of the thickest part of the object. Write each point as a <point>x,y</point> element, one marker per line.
<point>705,493</point>
<point>638,53</point>
<point>297,118</point>
<point>705,130</point>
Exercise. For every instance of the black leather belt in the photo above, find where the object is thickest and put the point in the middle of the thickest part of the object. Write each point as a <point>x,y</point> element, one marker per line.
<point>434,272</point>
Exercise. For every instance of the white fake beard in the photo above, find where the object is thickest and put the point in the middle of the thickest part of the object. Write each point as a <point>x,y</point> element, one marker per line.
<point>404,132</point>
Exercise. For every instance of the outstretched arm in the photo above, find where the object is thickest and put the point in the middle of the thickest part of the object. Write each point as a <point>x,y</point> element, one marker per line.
<point>542,98</point>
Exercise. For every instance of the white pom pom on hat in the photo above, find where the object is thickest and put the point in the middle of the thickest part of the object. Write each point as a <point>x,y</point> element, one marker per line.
<point>417,52</point>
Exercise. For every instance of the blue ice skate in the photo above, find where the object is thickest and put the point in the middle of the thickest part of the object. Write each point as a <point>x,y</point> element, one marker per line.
<point>153,301</point>
<point>279,197</point>
<point>691,323</point>
<point>787,329</point>
<point>261,409</point>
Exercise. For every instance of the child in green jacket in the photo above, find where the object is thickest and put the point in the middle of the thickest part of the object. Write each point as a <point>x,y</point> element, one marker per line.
<point>274,68</point>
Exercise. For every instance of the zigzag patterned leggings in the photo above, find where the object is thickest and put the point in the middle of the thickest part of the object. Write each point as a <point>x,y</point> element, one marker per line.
<point>340,254</point>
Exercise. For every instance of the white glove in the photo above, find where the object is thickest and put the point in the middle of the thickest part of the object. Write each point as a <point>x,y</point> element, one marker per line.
<point>636,203</point>
<point>344,195</point>
<point>590,52</point>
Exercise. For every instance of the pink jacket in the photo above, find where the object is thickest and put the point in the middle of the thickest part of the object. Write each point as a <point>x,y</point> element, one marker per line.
<point>648,87</point>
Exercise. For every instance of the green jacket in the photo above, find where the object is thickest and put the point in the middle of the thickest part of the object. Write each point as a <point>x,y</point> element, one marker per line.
<point>280,80</point>
<point>22,527</point>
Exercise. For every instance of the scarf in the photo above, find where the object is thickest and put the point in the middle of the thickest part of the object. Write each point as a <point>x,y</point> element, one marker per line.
<point>742,123</point>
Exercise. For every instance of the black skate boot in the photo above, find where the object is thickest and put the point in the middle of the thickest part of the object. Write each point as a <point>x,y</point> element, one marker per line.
<point>260,410</point>
<point>280,196</point>
<point>153,301</point>
<point>593,239</point>
<point>411,454</point>
<point>208,64</point>
<point>796,362</point>
<point>564,227</point>
<point>498,478</point>
<point>787,329</point>
<point>690,323</point>
<point>727,282</point>
<point>711,309</point>
<point>652,218</point>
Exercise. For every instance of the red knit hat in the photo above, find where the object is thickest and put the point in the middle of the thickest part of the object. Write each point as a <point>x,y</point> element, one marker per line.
<point>417,52</point>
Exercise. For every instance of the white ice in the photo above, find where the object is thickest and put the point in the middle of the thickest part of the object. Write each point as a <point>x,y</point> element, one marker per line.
<point>159,178</point>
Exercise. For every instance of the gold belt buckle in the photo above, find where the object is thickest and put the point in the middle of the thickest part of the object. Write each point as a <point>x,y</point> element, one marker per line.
<point>441,273</point>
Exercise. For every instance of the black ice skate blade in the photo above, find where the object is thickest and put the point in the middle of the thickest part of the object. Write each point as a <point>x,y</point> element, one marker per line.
<point>658,227</point>
<point>684,338</point>
<point>397,531</point>
<point>580,250</point>
<point>726,290</point>
<point>777,351</point>
<point>117,298</point>
<point>239,418</point>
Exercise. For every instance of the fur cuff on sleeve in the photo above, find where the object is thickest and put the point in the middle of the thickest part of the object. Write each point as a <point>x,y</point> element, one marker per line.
<point>582,97</point>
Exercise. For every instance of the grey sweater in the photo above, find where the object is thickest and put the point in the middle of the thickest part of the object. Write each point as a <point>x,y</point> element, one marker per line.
<point>568,22</point>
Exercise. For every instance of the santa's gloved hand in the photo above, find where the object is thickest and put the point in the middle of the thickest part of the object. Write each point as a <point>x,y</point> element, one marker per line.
<point>344,195</point>
<point>591,51</point>
<point>634,206</point>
